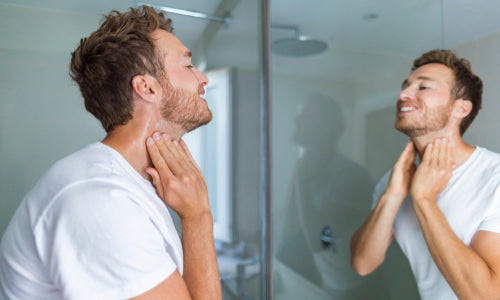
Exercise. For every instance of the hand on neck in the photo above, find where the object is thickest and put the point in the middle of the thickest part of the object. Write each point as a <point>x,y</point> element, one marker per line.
<point>459,150</point>
<point>130,141</point>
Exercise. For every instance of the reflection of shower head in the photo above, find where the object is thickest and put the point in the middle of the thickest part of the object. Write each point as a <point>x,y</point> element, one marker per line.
<point>297,46</point>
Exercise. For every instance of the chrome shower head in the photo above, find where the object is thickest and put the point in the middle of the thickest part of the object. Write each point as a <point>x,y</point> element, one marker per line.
<point>298,45</point>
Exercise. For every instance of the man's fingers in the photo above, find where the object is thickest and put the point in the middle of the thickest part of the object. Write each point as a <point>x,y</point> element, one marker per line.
<point>442,159</point>
<point>157,157</point>
<point>185,148</point>
<point>427,159</point>
<point>170,156</point>
<point>407,157</point>
<point>447,156</point>
<point>157,180</point>
<point>436,149</point>
<point>167,148</point>
<point>182,160</point>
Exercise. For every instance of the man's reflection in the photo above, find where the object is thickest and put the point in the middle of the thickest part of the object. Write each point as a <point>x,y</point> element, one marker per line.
<point>329,197</point>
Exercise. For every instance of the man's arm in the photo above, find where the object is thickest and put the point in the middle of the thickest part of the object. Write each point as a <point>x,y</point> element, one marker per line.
<point>181,185</point>
<point>472,272</point>
<point>370,242</point>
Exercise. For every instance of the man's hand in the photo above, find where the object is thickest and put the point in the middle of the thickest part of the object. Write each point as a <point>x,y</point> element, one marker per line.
<point>402,173</point>
<point>180,184</point>
<point>178,179</point>
<point>370,242</point>
<point>434,172</point>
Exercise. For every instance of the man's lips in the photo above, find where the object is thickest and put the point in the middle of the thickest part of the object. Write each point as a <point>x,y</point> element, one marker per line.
<point>405,107</point>
<point>202,94</point>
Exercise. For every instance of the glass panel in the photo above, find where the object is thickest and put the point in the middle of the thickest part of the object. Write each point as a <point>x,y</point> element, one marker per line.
<point>332,127</point>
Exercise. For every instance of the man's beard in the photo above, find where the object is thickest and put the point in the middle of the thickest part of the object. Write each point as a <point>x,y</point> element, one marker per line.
<point>184,108</point>
<point>434,120</point>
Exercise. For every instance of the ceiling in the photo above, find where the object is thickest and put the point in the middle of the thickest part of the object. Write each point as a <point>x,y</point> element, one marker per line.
<point>362,35</point>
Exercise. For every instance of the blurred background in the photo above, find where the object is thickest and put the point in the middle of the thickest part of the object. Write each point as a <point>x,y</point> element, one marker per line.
<point>336,68</point>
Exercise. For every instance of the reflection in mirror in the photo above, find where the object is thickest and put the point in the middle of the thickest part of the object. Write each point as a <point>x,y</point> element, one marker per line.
<point>371,45</point>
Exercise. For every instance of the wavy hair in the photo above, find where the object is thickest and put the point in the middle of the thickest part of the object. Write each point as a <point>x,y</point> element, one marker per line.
<point>104,63</point>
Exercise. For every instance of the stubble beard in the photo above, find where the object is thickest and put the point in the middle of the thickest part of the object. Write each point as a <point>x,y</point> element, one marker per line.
<point>434,120</point>
<point>184,108</point>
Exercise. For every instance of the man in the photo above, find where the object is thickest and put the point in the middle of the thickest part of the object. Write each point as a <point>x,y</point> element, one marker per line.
<point>94,226</point>
<point>445,213</point>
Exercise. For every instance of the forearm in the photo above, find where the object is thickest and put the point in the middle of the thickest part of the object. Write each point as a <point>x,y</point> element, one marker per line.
<point>465,271</point>
<point>370,242</point>
<point>201,273</point>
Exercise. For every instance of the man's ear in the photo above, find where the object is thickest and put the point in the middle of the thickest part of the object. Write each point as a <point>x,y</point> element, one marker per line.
<point>462,108</point>
<point>146,87</point>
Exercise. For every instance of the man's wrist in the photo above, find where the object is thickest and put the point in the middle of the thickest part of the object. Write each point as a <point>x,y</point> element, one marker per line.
<point>394,196</point>
<point>202,218</point>
<point>422,198</point>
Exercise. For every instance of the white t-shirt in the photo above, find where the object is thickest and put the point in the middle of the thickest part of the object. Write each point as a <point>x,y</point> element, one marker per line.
<point>470,202</point>
<point>91,228</point>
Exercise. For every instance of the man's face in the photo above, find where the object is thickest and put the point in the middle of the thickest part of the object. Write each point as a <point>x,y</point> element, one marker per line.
<point>425,101</point>
<point>184,85</point>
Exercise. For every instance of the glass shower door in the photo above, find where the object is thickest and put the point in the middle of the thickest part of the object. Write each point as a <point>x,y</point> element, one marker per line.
<point>333,110</point>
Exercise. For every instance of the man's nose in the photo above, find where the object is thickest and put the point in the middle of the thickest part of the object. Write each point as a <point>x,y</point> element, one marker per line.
<point>406,93</point>
<point>202,78</point>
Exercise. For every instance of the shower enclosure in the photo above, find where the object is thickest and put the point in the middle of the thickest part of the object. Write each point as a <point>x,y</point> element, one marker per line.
<point>311,87</point>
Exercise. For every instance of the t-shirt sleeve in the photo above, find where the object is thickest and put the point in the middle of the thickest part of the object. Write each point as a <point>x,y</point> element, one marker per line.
<point>492,221</point>
<point>98,243</point>
<point>380,188</point>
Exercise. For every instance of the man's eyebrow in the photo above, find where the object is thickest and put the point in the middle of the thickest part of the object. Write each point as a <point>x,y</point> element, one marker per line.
<point>188,54</point>
<point>404,84</point>
<point>426,78</point>
<point>407,83</point>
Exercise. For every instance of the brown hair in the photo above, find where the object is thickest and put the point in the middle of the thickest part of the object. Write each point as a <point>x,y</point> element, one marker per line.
<point>466,85</point>
<point>104,64</point>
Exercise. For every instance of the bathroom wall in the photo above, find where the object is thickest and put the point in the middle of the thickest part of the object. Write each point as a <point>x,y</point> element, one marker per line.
<point>484,56</point>
<point>42,117</point>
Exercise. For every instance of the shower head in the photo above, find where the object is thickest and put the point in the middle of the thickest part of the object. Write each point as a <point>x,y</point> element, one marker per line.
<point>298,45</point>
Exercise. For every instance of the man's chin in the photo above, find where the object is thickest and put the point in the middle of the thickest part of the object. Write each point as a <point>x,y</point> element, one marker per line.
<point>190,126</point>
<point>411,132</point>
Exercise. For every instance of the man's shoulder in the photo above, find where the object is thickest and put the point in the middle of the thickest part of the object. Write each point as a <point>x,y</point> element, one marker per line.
<point>486,161</point>
<point>88,166</point>
<point>486,153</point>
<point>90,179</point>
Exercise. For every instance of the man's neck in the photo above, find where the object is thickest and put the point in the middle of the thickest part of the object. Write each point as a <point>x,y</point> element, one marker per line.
<point>130,141</point>
<point>460,151</point>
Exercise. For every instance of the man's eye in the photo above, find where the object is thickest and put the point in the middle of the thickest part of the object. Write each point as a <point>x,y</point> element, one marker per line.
<point>423,87</point>
<point>190,66</point>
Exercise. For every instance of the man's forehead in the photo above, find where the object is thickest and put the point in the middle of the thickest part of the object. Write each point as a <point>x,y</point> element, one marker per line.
<point>169,42</point>
<point>431,72</point>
